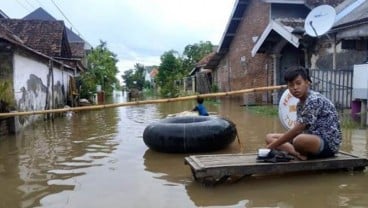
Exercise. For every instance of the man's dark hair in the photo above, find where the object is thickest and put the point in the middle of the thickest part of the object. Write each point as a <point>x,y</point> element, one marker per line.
<point>294,72</point>
<point>199,100</point>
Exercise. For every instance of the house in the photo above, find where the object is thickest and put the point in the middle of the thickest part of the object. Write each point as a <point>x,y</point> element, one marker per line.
<point>149,73</point>
<point>32,73</point>
<point>78,46</point>
<point>200,78</point>
<point>265,37</point>
<point>152,76</point>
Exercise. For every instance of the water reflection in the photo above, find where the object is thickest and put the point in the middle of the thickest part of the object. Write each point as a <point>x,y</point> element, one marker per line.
<point>293,190</point>
<point>166,166</point>
<point>49,154</point>
<point>99,159</point>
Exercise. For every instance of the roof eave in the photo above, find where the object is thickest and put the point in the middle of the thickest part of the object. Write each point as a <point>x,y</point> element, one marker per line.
<point>224,45</point>
<point>282,31</point>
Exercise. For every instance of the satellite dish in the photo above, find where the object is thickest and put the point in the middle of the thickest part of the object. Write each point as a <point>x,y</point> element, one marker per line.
<point>287,109</point>
<point>320,20</point>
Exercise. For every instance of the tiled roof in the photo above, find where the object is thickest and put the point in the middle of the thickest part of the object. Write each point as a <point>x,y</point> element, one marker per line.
<point>205,59</point>
<point>47,37</point>
<point>292,22</point>
<point>77,49</point>
<point>41,14</point>
<point>75,42</point>
<point>9,36</point>
<point>315,3</point>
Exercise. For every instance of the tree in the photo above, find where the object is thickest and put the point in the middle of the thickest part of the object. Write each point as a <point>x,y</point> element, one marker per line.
<point>101,70</point>
<point>194,53</point>
<point>134,78</point>
<point>169,72</point>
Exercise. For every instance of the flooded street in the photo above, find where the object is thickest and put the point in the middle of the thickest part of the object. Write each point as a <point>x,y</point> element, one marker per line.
<point>99,159</point>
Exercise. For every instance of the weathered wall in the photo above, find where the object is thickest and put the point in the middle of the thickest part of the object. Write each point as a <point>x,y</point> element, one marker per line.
<point>61,86</point>
<point>36,87</point>
<point>238,70</point>
<point>322,58</point>
<point>6,89</point>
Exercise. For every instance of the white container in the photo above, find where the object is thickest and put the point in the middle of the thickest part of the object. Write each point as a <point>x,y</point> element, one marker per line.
<point>263,152</point>
<point>98,88</point>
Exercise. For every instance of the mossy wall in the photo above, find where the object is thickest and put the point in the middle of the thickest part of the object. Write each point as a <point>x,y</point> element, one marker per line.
<point>6,90</point>
<point>6,82</point>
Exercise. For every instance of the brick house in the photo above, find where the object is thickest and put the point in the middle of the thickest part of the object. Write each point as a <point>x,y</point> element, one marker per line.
<point>261,40</point>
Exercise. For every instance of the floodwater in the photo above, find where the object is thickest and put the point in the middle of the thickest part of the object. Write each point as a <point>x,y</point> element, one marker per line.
<point>98,159</point>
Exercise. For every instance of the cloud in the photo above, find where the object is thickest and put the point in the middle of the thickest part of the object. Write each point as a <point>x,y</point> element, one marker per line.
<point>138,31</point>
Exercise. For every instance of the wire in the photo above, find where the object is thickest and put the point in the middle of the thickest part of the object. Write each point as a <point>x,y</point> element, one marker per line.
<point>22,5</point>
<point>66,18</point>
<point>39,3</point>
<point>29,4</point>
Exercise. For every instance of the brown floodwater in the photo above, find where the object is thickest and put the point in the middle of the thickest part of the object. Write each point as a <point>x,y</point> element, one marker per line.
<point>99,159</point>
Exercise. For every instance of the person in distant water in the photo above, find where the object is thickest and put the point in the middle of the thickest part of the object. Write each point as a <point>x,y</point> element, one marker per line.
<point>202,111</point>
<point>317,132</point>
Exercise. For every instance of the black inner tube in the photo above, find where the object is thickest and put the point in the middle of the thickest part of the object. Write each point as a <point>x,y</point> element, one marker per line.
<point>189,134</point>
<point>186,119</point>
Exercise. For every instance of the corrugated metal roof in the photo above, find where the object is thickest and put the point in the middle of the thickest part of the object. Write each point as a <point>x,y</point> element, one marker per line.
<point>357,15</point>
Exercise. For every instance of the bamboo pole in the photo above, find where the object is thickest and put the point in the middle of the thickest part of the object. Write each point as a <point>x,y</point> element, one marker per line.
<point>98,107</point>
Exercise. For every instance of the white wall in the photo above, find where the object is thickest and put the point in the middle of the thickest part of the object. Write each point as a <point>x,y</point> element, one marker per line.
<point>31,86</point>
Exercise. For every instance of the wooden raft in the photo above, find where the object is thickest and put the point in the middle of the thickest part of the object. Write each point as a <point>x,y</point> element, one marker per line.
<point>219,167</point>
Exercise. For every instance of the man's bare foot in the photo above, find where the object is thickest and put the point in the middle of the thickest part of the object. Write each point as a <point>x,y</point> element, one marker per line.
<point>299,156</point>
<point>302,157</point>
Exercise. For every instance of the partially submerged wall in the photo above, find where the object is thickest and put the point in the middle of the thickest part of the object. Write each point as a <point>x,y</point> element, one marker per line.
<point>6,89</point>
<point>38,85</point>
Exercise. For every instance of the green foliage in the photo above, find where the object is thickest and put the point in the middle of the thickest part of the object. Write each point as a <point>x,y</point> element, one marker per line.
<point>173,68</point>
<point>134,78</point>
<point>6,92</point>
<point>102,71</point>
<point>169,72</point>
<point>214,88</point>
<point>347,122</point>
<point>193,53</point>
<point>267,110</point>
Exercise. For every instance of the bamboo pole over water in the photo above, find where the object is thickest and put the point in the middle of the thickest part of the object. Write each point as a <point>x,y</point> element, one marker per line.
<point>114,105</point>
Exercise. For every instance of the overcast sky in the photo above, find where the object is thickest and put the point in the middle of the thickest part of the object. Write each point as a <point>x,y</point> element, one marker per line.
<point>138,31</point>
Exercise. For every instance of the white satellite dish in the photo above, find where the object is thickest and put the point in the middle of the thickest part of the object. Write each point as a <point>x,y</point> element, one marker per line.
<point>287,109</point>
<point>320,20</point>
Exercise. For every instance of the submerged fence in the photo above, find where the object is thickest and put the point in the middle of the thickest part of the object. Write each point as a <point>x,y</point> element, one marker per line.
<point>337,85</point>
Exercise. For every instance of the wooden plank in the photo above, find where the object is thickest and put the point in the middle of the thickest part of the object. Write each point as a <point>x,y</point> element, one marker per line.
<point>218,166</point>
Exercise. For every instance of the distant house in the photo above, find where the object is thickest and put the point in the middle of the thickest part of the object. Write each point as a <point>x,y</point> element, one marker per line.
<point>265,37</point>
<point>150,74</point>
<point>31,78</point>
<point>200,78</point>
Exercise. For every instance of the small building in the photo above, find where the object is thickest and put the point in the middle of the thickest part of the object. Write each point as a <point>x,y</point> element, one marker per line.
<point>32,75</point>
<point>200,78</point>
<point>150,73</point>
<point>78,46</point>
